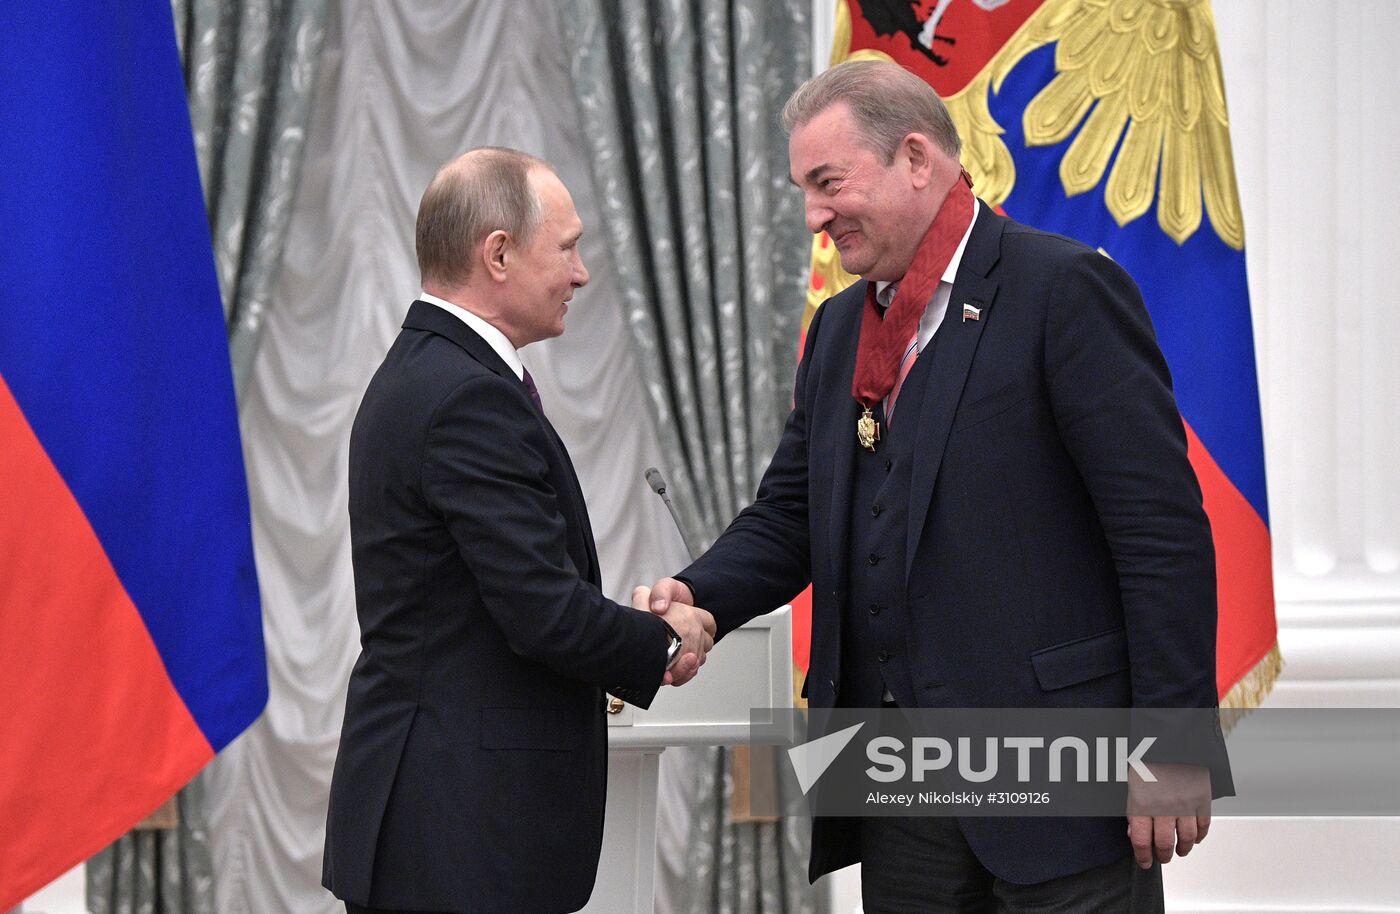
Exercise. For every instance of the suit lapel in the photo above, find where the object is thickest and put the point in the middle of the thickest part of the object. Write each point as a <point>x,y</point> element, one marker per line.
<point>594,571</point>
<point>842,436</point>
<point>427,316</point>
<point>952,350</point>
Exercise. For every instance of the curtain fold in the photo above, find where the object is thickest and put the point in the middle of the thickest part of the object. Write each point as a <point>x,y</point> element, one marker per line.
<point>680,103</point>
<point>711,865</point>
<point>249,70</point>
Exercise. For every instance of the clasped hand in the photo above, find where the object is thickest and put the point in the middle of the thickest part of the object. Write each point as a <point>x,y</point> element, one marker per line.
<point>695,626</point>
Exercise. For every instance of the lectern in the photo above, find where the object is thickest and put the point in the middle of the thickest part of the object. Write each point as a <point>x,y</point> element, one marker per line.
<point>751,668</point>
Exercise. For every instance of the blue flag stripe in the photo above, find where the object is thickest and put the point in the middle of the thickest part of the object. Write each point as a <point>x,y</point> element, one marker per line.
<point>112,336</point>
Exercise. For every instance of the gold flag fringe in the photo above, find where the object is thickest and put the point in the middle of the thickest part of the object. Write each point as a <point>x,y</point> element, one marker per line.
<point>1253,687</point>
<point>167,816</point>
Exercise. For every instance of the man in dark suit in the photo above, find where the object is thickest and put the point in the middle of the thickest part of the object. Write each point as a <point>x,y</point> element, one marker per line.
<point>473,759</point>
<point>1024,531</point>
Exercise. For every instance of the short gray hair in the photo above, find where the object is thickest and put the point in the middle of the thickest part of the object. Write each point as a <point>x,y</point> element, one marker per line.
<point>477,193</point>
<point>887,102</point>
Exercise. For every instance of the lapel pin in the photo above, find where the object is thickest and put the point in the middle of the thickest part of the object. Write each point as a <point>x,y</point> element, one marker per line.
<point>970,313</point>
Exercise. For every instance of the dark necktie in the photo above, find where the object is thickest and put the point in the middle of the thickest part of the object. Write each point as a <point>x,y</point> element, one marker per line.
<point>534,391</point>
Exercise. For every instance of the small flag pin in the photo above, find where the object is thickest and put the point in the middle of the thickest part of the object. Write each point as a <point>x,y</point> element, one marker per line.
<point>970,313</point>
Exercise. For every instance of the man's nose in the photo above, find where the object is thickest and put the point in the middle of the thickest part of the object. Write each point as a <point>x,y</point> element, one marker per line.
<point>580,274</point>
<point>817,217</point>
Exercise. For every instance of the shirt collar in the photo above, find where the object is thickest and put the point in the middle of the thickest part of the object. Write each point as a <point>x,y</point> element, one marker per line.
<point>950,273</point>
<point>484,329</point>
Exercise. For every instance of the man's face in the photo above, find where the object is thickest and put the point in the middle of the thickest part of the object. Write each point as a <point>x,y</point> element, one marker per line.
<point>852,195</point>
<point>547,269</point>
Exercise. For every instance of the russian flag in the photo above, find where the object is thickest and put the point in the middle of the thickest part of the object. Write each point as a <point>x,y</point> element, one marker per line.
<point>130,630</point>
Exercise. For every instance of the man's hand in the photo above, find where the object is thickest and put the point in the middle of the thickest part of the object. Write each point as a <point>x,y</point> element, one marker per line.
<point>667,591</point>
<point>697,630</point>
<point>1172,814</point>
<point>669,594</point>
<point>695,626</point>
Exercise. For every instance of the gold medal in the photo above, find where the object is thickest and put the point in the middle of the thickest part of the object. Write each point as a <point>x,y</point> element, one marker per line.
<point>867,430</point>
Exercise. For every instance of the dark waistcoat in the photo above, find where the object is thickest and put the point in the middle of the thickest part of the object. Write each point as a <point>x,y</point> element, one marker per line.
<point>875,624</point>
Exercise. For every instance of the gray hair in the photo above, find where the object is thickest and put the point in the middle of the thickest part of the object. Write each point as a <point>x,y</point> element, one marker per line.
<point>886,101</point>
<point>477,193</point>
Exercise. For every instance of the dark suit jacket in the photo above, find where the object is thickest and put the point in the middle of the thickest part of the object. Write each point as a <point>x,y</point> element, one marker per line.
<point>473,761</point>
<point>1057,551</point>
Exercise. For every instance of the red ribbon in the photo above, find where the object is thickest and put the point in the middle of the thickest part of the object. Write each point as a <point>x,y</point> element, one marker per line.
<point>883,340</point>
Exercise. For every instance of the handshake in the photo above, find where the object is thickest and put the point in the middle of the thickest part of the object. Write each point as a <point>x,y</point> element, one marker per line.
<point>672,599</point>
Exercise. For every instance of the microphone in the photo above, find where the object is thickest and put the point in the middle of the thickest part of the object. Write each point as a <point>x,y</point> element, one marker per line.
<point>658,485</point>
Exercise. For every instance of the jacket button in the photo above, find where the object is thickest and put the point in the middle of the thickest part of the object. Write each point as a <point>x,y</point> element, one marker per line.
<point>874,559</point>
<point>875,609</point>
<point>882,656</point>
<point>888,464</point>
<point>874,510</point>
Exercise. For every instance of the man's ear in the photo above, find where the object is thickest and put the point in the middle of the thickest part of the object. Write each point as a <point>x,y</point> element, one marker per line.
<point>494,251</point>
<point>918,151</point>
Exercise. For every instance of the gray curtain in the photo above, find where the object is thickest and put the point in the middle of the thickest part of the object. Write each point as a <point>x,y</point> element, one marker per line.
<point>679,102</point>
<point>250,67</point>
<point>736,868</point>
<point>249,72</point>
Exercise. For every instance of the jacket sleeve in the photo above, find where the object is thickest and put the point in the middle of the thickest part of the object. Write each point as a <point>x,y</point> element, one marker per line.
<point>763,559</point>
<point>1110,391</point>
<point>485,469</point>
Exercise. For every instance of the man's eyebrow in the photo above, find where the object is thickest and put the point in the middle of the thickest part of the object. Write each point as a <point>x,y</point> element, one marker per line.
<point>812,175</point>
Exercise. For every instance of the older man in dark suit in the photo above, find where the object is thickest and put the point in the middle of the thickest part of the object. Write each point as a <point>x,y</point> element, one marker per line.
<point>473,760</point>
<point>984,476</point>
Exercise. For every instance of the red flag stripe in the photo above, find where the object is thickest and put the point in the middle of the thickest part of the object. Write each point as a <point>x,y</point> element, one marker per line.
<point>100,737</point>
<point>1243,571</point>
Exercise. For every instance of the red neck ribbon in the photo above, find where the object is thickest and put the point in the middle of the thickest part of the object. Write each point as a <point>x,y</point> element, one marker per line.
<point>883,341</point>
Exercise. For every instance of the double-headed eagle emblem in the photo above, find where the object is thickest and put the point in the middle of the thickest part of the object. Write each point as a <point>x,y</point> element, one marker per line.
<point>1143,71</point>
<point>1139,77</point>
